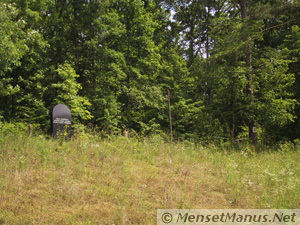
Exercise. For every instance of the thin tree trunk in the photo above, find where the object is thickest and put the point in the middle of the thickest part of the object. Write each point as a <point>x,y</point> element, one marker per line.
<point>233,109</point>
<point>248,60</point>
<point>170,115</point>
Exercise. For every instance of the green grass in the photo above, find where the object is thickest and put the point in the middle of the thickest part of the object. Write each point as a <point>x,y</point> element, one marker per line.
<point>123,181</point>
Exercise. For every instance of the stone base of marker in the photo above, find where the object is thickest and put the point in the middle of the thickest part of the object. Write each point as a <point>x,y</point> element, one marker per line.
<point>61,122</point>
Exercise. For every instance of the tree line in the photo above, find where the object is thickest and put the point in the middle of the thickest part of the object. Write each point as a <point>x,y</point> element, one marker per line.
<point>231,67</point>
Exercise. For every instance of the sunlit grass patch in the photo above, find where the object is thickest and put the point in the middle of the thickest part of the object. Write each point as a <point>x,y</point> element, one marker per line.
<point>89,180</point>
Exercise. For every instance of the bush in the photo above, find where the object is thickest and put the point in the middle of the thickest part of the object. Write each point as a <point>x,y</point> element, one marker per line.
<point>17,128</point>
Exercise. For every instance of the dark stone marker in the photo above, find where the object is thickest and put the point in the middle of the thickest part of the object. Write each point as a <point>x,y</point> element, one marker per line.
<point>61,121</point>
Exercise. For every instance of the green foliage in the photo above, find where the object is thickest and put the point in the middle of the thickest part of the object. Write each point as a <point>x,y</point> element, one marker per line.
<point>112,63</point>
<point>291,47</point>
<point>12,46</point>
<point>223,79</point>
<point>67,93</point>
<point>274,100</point>
<point>19,128</point>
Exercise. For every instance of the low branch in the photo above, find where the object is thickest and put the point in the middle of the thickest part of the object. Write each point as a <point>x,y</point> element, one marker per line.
<point>280,25</point>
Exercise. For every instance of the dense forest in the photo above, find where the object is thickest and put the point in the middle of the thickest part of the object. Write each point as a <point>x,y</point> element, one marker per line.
<point>230,68</point>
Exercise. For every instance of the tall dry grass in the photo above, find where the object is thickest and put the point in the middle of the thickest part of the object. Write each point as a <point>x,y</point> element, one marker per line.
<point>89,180</point>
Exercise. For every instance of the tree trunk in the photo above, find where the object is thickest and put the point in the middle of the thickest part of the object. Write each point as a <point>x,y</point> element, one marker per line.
<point>170,115</point>
<point>248,60</point>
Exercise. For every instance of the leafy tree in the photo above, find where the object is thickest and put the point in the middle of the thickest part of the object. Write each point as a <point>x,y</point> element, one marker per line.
<point>12,49</point>
<point>22,62</point>
<point>67,93</point>
<point>238,83</point>
<point>291,51</point>
<point>227,64</point>
<point>141,96</point>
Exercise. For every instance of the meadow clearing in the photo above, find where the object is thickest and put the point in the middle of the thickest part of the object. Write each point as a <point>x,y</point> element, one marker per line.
<point>118,180</point>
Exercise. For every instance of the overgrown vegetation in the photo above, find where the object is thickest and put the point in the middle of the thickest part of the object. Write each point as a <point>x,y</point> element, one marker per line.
<point>231,68</point>
<point>118,180</point>
<point>230,65</point>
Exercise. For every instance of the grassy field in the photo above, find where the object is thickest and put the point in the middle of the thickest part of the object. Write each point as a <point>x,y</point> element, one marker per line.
<point>123,181</point>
